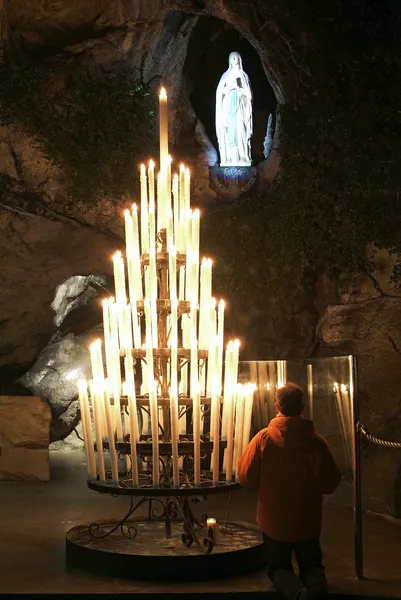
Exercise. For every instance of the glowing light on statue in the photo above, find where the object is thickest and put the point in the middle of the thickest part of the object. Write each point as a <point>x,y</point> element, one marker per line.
<point>234,115</point>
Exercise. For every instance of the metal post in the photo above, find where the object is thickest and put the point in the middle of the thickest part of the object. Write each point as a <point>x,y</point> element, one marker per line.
<point>358,525</point>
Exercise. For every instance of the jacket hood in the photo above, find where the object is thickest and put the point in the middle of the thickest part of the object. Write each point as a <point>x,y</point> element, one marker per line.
<point>295,432</point>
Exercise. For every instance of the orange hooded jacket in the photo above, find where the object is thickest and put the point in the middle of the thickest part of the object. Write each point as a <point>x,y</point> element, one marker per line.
<point>291,466</point>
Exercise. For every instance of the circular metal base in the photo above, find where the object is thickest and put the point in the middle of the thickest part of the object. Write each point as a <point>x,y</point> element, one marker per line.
<point>153,557</point>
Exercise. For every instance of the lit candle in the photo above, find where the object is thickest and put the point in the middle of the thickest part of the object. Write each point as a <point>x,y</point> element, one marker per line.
<point>181,289</point>
<point>211,366</point>
<point>227,389</point>
<point>194,382</point>
<point>155,432</point>
<point>173,273</point>
<point>230,436</point>
<point>183,214</point>
<point>106,331</point>
<point>250,391</point>
<point>239,424</point>
<point>161,208</point>
<point>110,436</point>
<point>196,418</point>
<point>169,230</point>
<point>205,301</point>
<point>133,418</point>
<point>87,428</point>
<point>144,212</point>
<point>168,185</point>
<point>153,296</point>
<point>220,334</point>
<point>119,279</point>
<point>213,530</point>
<point>176,208</point>
<point>97,360</point>
<point>116,380</point>
<point>97,413</point>
<point>195,254</point>
<point>215,423</point>
<point>152,233</point>
<point>149,347</point>
<point>163,126</point>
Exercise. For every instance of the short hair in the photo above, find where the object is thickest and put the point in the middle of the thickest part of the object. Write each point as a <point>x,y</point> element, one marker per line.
<point>290,399</point>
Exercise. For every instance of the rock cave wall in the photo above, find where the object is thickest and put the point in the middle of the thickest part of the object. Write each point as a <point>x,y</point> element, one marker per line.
<point>45,240</point>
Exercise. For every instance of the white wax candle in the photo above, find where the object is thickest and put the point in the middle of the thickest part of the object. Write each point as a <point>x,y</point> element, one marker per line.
<point>194,375</point>
<point>87,428</point>
<point>228,390</point>
<point>211,366</point>
<point>174,437</point>
<point>239,424</point>
<point>195,252</point>
<point>196,419</point>
<point>133,419</point>
<point>116,381</point>
<point>145,380</point>
<point>183,215</point>
<point>136,255</point>
<point>153,297</point>
<point>106,331</point>
<point>160,200</point>
<point>110,437</point>
<point>205,302</point>
<point>250,391</point>
<point>149,347</point>
<point>168,186</point>
<point>127,328</point>
<point>173,274</point>
<point>169,230</point>
<point>144,212</point>
<point>119,279</point>
<point>97,360</point>
<point>174,343</point>
<point>97,413</point>
<point>213,530</point>
<point>220,334</point>
<point>230,437</point>
<point>215,422</point>
<point>176,212</point>
<point>163,126</point>
<point>181,289</point>
<point>155,432</point>
<point>151,182</point>
<point>152,232</point>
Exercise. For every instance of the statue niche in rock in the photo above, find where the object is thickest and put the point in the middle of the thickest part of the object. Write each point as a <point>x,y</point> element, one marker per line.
<point>234,115</point>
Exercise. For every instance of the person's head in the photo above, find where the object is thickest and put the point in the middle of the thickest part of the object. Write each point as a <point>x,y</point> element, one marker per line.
<point>290,400</point>
<point>234,60</point>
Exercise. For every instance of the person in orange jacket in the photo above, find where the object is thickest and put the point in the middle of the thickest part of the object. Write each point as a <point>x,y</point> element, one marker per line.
<point>291,466</point>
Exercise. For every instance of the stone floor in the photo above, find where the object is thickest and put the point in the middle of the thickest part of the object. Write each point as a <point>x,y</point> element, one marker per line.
<point>34,519</point>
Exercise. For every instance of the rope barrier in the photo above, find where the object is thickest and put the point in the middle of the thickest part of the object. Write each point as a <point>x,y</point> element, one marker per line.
<point>376,440</point>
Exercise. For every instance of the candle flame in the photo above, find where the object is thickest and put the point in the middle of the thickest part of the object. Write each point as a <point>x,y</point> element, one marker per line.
<point>134,208</point>
<point>187,172</point>
<point>127,213</point>
<point>143,169</point>
<point>222,305</point>
<point>335,385</point>
<point>97,343</point>
<point>105,302</point>
<point>117,255</point>
<point>151,164</point>
<point>343,387</point>
<point>163,93</point>
<point>182,167</point>
<point>175,177</point>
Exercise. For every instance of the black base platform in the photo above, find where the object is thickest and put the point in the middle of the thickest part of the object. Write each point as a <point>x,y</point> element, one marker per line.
<point>150,556</point>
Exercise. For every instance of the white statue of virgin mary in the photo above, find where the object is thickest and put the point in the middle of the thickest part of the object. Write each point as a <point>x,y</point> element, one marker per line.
<point>234,115</point>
